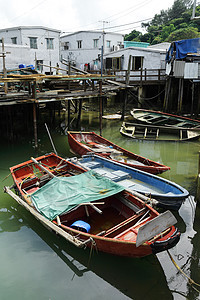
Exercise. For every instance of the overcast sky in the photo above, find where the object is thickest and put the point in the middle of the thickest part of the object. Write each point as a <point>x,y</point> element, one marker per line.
<point>75,15</point>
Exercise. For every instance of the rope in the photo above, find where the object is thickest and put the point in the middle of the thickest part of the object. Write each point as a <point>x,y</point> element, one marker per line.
<point>191,281</point>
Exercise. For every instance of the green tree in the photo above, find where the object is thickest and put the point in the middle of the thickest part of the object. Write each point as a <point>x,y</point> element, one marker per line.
<point>169,25</point>
<point>183,34</point>
<point>132,36</point>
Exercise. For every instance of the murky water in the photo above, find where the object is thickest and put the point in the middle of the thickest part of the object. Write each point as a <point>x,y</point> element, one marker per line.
<point>36,264</point>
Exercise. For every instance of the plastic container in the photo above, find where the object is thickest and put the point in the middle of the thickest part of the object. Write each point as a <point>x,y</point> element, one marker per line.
<point>81,226</point>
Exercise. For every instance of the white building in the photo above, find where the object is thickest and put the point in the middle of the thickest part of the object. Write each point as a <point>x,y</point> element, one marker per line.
<point>152,57</point>
<point>37,45</point>
<point>83,48</point>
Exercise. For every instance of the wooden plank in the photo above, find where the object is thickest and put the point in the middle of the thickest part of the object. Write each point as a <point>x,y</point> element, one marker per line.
<point>154,227</point>
<point>45,221</point>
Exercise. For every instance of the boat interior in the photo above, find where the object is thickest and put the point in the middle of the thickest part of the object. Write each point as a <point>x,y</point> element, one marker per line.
<point>31,177</point>
<point>108,218</point>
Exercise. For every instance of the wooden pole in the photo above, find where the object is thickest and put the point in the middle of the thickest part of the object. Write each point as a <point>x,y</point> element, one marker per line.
<point>35,125</point>
<point>35,114</point>
<point>198,182</point>
<point>192,104</point>
<point>68,118</point>
<point>100,107</point>
<point>180,95</point>
<point>79,113</point>
<point>126,91</point>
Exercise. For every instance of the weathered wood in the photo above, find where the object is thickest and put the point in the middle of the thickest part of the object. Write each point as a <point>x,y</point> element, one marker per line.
<point>46,222</point>
<point>100,107</point>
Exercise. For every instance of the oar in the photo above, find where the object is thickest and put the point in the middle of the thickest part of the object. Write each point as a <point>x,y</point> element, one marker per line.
<point>54,149</point>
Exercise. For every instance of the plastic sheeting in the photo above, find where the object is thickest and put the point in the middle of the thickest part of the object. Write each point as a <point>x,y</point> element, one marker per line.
<point>183,48</point>
<point>61,194</point>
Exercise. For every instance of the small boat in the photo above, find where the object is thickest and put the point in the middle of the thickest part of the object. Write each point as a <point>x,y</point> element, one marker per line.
<point>89,210</point>
<point>113,117</point>
<point>84,142</point>
<point>159,118</point>
<point>168,194</point>
<point>158,133</point>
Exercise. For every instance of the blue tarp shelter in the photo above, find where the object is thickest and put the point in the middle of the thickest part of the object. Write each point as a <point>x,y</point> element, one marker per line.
<point>183,48</point>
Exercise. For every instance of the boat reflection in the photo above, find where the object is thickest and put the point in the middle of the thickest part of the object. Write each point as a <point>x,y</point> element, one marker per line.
<point>141,278</point>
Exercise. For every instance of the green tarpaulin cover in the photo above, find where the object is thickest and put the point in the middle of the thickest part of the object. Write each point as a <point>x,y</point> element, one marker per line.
<point>61,194</point>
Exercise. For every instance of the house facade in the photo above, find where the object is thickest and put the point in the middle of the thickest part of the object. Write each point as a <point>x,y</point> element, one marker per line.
<point>83,48</point>
<point>150,58</point>
<point>39,46</point>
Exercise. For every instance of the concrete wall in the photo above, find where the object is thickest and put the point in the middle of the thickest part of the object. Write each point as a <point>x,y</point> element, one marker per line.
<point>23,35</point>
<point>18,55</point>
<point>88,52</point>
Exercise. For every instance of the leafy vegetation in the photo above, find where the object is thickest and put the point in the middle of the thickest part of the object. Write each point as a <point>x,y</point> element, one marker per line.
<point>170,25</point>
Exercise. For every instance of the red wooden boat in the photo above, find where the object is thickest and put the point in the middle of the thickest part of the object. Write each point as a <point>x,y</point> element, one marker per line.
<point>116,222</point>
<point>83,142</point>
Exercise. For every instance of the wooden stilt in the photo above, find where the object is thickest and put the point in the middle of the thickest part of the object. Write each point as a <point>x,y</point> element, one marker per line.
<point>167,93</point>
<point>68,116</point>
<point>180,96</point>
<point>35,125</point>
<point>34,114</point>
<point>125,97</point>
<point>100,107</point>
<point>79,113</point>
<point>192,104</point>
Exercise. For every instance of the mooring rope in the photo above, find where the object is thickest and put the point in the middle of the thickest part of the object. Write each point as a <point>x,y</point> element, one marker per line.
<point>191,281</point>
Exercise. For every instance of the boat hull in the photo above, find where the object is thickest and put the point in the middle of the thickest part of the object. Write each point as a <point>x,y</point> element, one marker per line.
<point>114,228</point>
<point>126,249</point>
<point>163,119</point>
<point>146,165</point>
<point>168,194</point>
<point>157,133</point>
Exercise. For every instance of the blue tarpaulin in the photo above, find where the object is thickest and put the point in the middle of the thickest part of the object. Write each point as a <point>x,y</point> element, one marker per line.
<point>183,48</point>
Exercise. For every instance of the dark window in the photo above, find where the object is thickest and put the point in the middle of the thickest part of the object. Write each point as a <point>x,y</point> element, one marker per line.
<point>79,44</point>
<point>14,40</point>
<point>39,65</point>
<point>137,62</point>
<point>113,63</point>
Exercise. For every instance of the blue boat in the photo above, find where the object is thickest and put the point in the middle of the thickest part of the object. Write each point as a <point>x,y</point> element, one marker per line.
<point>168,194</point>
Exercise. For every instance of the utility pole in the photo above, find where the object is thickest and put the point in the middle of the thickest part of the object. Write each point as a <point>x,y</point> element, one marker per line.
<point>4,66</point>
<point>103,46</point>
<point>193,12</point>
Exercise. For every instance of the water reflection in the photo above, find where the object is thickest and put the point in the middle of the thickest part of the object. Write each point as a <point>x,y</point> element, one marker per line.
<point>136,278</point>
<point>195,257</point>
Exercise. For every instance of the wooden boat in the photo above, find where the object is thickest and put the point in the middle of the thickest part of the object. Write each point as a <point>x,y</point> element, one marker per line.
<point>84,142</point>
<point>159,118</point>
<point>158,133</point>
<point>90,210</point>
<point>168,194</point>
<point>113,117</point>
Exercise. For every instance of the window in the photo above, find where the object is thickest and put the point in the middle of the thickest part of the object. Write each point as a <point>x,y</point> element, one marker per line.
<point>108,43</point>
<point>66,46</point>
<point>14,40</point>
<point>33,42</point>
<point>113,63</point>
<point>49,43</point>
<point>79,44</point>
<point>96,43</point>
<point>39,64</point>
<point>137,63</point>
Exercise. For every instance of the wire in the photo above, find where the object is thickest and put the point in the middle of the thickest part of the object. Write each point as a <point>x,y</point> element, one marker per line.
<point>29,11</point>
